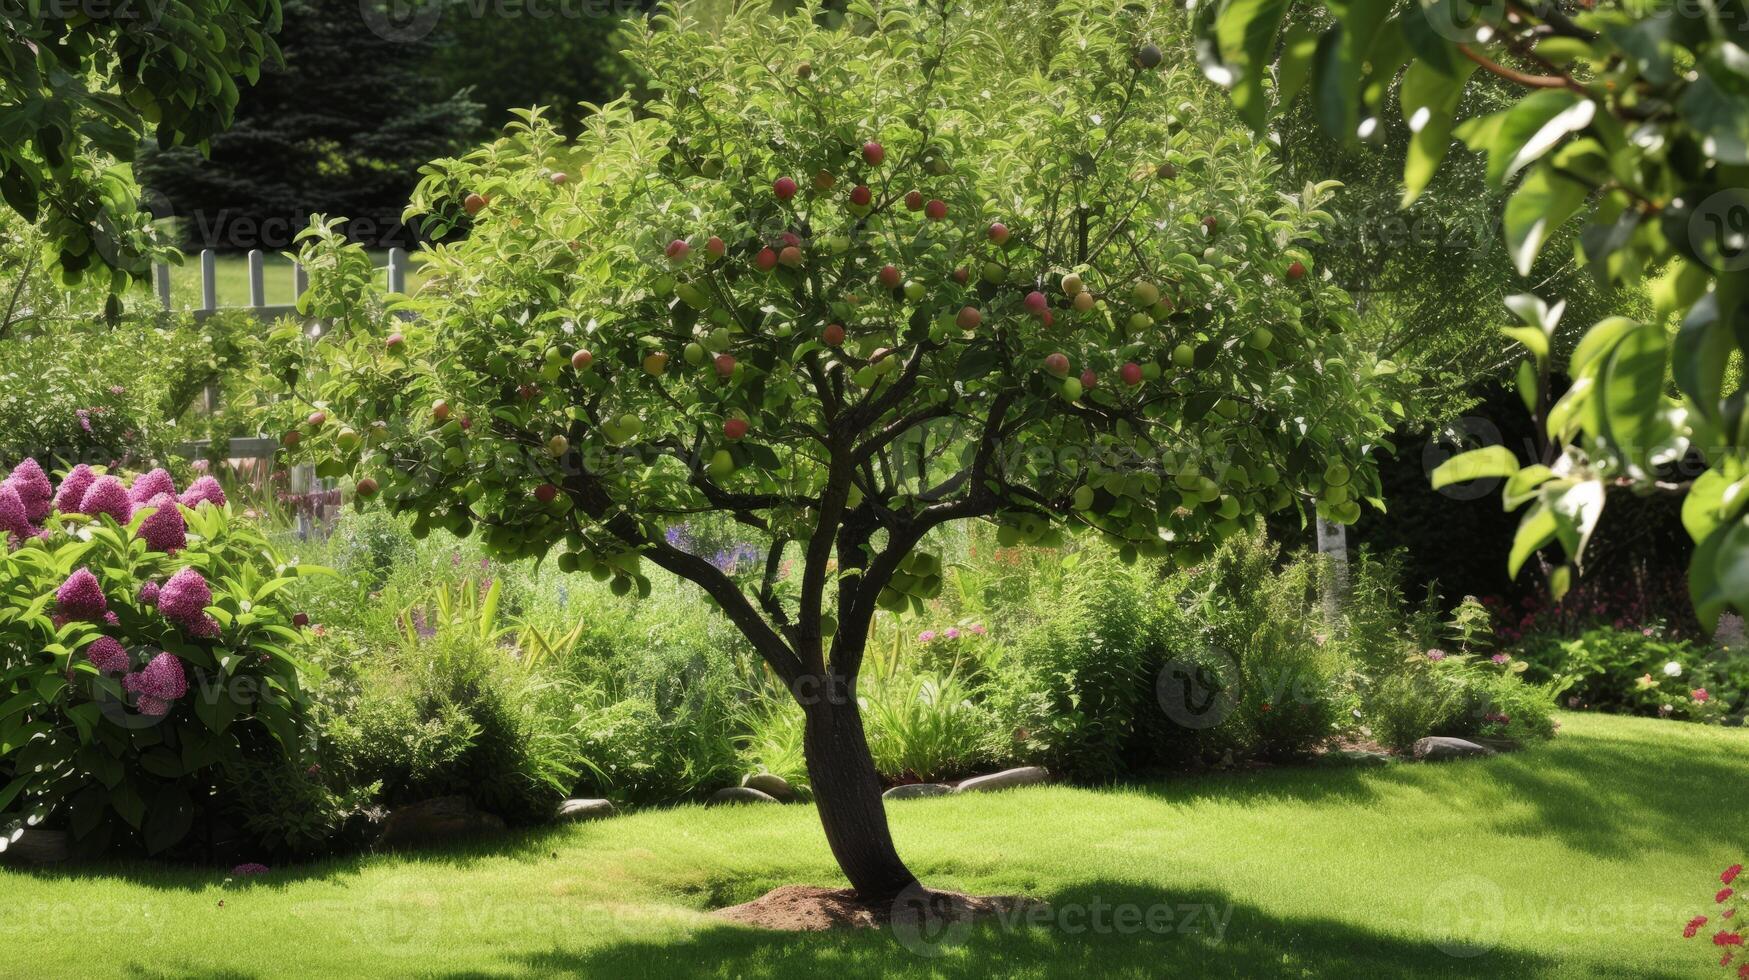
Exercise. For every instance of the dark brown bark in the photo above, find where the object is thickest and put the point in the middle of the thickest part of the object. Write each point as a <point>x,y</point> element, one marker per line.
<point>847,792</point>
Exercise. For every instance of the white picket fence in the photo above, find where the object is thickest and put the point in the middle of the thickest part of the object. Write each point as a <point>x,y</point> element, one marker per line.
<point>302,479</point>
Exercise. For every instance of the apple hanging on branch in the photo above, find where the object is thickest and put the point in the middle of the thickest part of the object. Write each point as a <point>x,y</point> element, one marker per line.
<point>855,420</point>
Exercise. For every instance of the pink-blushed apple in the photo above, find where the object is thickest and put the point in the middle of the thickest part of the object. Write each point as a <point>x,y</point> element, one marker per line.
<point>790,256</point>
<point>889,276</point>
<point>1036,303</point>
<point>581,360</point>
<point>1047,318</point>
<point>962,275</point>
<point>474,203</point>
<point>440,410</point>
<point>546,493</point>
<point>998,233</point>
<point>766,260</point>
<point>790,238</point>
<point>833,335</point>
<point>1089,379</point>
<point>860,195</point>
<point>969,318</point>
<point>936,210</point>
<point>317,419</point>
<point>825,180</point>
<point>678,250</point>
<point>560,178</point>
<point>873,153</point>
<point>1131,374</point>
<point>1057,364</point>
<point>914,200</point>
<point>784,188</point>
<point>734,428</point>
<point>725,364</point>
<point>1296,271</point>
<point>394,342</point>
<point>714,248</point>
<point>366,488</point>
<point>1083,302</point>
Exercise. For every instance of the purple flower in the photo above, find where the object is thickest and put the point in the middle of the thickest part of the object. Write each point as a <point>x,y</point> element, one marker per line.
<point>164,530</point>
<point>1501,658</point>
<point>108,656</point>
<point>151,485</point>
<point>108,496</point>
<point>80,597</point>
<point>73,487</point>
<point>13,518</point>
<point>84,418</point>
<point>162,678</point>
<point>205,490</point>
<point>149,594</point>
<point>952,633</point>
<point>1436,655</point>
<point>927,636</point>
<point>34,489</point>
<point>183,599</point>
<point>150,706</point>
<point>117,390</point>
<point>978,629</point>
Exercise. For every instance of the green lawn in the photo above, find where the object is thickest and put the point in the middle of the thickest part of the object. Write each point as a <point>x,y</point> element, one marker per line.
<point>1580,858</point>
<point>231,272</point>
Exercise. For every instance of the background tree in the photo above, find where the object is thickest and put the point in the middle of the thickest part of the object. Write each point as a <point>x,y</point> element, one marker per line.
<point>1636,117</point>
<point>342,127</point>
<point>846,286</point>
<point>83,84</point>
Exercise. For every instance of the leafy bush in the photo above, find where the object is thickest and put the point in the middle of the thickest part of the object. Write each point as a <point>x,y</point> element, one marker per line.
<point>1458,695</point>
<point>141,650</point>
<point>292,811</point>
<point>926,727</point>
<point>1641,671</point>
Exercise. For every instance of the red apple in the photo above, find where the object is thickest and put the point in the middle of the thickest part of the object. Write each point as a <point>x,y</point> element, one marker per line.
<point>833,335</point>
<point>715,248</point>
<point>292,438</point>
<point>790,238</point>
<point>734,428</point>
<point>1131,374</point>
<point>1048,318</point>
<point>766,260</point>
<point>860,195</point>
<point>546,493</point>
<point>874,153</point>
<point>1036,303</point>
<point>582,359</point>
<point>1296,271</point>
<point>473,204</point>
<point>914,200</point>
<point>725,364</point>
<point>999,233</point>
<point>678,250</point>
<point>784,188</point>
<point>790,256</point>
<point>1089,379</point>
<point>961,275</point>
<point>1057,364</point>
<point>889,277</point>
<point>936,210</point>
<point>824,180</point>
<point>969,318</point>
<point>367,488</point>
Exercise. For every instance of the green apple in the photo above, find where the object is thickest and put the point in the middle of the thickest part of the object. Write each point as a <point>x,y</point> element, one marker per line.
<point>1083,497</point>
<point>1071,389</point>
<point>558,446</point>
<point>1260,338</point>
<point>722,464</point>
<point>1184,356</point>
<point>1144,293</point>
<point>1139,322</point>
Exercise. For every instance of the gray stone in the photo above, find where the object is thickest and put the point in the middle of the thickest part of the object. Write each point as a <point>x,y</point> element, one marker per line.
<point>1438,748</point>
<point>771,784</point>
<point>585,809</point>
<point>35,847</point>
<point>917,791</point>
<point>436,821</point>
<point>1006,779</point>
<point>739,794</point>
<point>1499,744</point>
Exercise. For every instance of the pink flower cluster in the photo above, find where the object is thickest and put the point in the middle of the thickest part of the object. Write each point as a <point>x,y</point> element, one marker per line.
<point>27,499</point>
<point>157,685</point>
<point>183,601</point>
<point>108,655</point>
<point>1725,939</point>
<point>952,633</point>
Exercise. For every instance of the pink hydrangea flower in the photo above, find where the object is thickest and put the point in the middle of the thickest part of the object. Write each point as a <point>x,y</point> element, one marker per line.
<point>927,636</point>
<point>33,488</point>
<point>1700,695</point>
<point>81,597</point>
<point>152,484</point>
<point>108,496</point>
<point>73,487</point>
<point>108,656</point>
<point>149,594</point>
<point>184,598</point>
<point>952,634</point>
<point>164,530</point>
<point>152,707</point>
<point>978,629</point>
<point>162,678</point>
<point>1501,658</point>
<point>14,519</point>
<point>205,490</point>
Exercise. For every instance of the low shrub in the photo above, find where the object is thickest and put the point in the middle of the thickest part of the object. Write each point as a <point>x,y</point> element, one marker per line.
<point>144,644</point>
<point>1641,671</point>
<point>1436,693</point>
<point>926,727</point>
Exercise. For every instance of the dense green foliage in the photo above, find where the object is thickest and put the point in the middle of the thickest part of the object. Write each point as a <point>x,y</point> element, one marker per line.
<point>83,84</point>
<point>1638,116</point>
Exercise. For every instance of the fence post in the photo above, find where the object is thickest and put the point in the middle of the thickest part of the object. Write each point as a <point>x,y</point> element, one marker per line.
<point>397,270</point>
<point>257,278</point>
<point>209,301</point>
<point>161,276</point>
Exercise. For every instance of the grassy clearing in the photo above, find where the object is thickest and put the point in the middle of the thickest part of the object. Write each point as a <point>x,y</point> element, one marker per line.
<point>231,270</point>
<point>1582,857</point>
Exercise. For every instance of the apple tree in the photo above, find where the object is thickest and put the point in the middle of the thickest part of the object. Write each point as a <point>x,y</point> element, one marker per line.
<point>1632,118</point>
<point>845,286</point>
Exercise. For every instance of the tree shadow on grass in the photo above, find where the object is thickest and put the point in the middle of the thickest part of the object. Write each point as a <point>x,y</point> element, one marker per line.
<point>1100,928</point>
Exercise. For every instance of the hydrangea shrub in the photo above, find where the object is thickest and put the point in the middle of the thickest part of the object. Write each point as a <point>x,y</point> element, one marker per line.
<point>144,644</point>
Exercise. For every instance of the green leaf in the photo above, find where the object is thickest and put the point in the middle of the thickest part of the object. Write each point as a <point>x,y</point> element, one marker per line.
<point>1477,464</point>
<point>1522,486</point>
<point>1536,530</point>
<point>1430,98</point>
<point>1245,32</point>
<point>1540,205</point>
<point>1701,351</point>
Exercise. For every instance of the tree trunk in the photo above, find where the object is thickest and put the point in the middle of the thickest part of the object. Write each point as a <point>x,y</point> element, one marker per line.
<point>848,794</point>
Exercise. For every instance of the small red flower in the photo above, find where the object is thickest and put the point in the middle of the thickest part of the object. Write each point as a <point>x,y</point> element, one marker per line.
<point>1723,938</point>
<point>1743,971</point>
<point>1693,926</point>
<point>1730,874</point>
<point>1723,894</point>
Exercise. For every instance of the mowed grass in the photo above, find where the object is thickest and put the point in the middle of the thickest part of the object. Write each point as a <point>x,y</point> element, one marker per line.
<point>1583,857</point>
